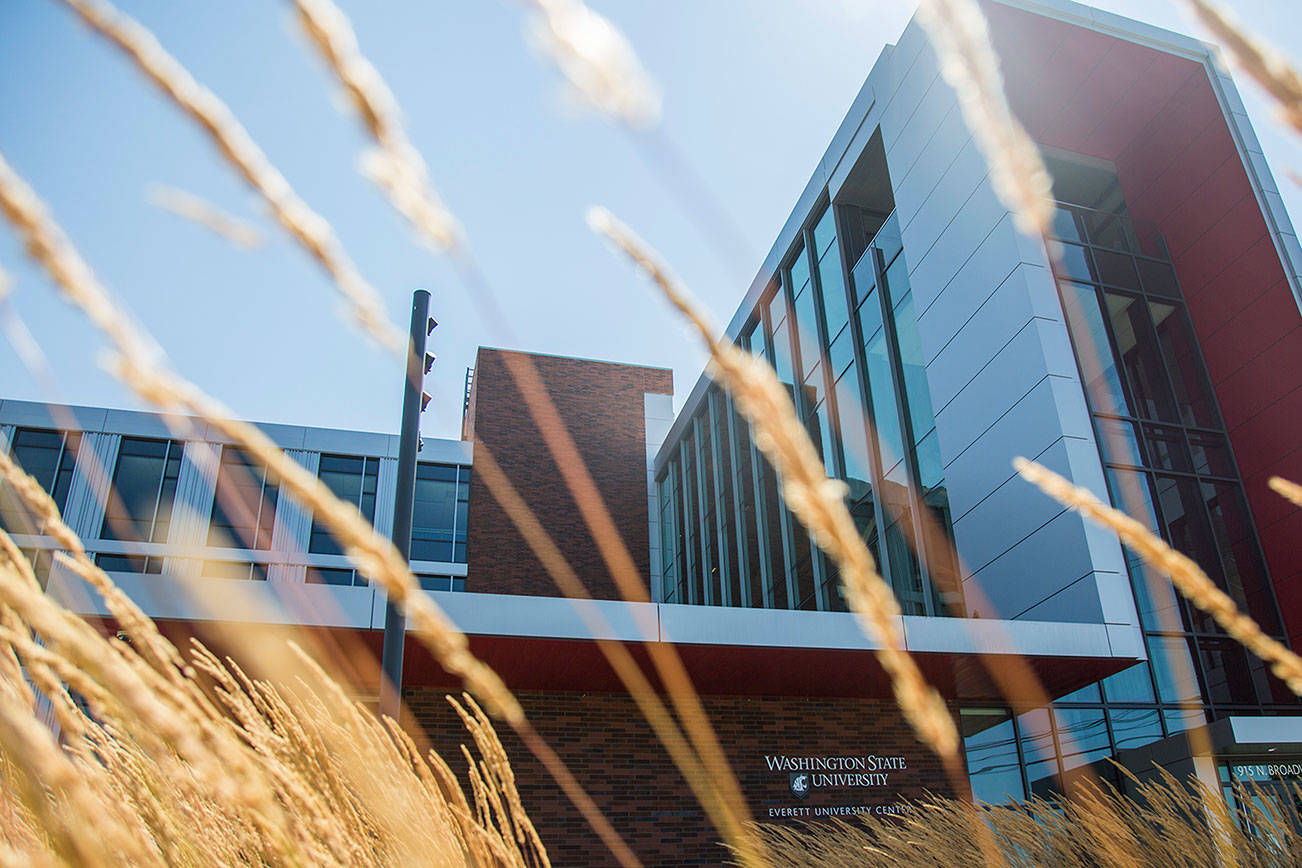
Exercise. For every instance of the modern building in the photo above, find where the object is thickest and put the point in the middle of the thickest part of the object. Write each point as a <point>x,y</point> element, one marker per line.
<point>1155,359</point>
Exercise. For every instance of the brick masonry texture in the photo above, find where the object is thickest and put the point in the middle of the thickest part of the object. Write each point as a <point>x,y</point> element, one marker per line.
<point>603,408</point>
<point>612,752</point>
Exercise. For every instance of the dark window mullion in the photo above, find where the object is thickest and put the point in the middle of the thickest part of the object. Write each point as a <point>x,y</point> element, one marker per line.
<point>910,456</point>
<point>874,441</point>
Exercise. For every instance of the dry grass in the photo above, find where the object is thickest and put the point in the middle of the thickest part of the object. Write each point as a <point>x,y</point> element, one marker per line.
<point>1290,491</point>
<point>192,208</point>
<point>596,60</point>
<point>1165,822</point>
<point>173,758</point>
<point>235,144</point>
<point>193,762</point>
<point>1187,576</point>
<point>395,166</point>
<point>1270,69</point>
<point>958,31</point>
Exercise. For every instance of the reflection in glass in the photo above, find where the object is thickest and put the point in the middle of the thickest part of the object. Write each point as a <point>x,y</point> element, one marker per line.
<point>991,750</point>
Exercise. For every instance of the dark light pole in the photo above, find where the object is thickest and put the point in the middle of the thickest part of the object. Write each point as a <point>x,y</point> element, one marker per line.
<point>414,400</point>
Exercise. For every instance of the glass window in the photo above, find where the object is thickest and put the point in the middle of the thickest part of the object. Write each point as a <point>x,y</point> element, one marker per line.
<point>1039,752</point>
<point>1066,226</point>
<point>781,359</point>
<point>129,563</point>
<point>1166,448</point>
<point>841,354</point>
<point>329,576</point>
<point>1159,608</point>
<point>433,518</point>
<point>888,239</point>
<point>1230,676</point>
<point>1134,727</point>
<point>1119,442</point>
<point>1074,263</point>
<point>144,485</point>
<point>912,363</point>
<point>854,433</point>
<point>832,281</point>
<point>799,271</point>
<point>244,504</point>
<point>1173,669</point>
<point>1193,394</point>
<point>246,570</point>
<point>1180,503</point>
<point>1112,230</point>
<point>1210,455</point>
<point>1158,278</point>
<point>1116,269</point>
<point>886,411</point>
<point>991,750</point>
<point>1245,572</point>
<point>1093,349</point>
<point>1130,685</point>
<point>1136,348</point>
<point>353,479</point>
<point>825,234</point>
<point>807,332</point>
<point>435,583</point>
<point>50,457</point>
<point>1083,736</point>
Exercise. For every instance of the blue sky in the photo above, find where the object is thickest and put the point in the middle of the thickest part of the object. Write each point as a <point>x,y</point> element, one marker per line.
<point>752,92</point>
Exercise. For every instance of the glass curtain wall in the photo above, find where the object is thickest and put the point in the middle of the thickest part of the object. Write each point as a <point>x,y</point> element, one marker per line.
<point>1169,465</point>
<point>848,353</point>
<point>50,457</point>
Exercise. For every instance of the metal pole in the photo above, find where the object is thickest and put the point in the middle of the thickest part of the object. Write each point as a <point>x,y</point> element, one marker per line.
<point>395,623</point>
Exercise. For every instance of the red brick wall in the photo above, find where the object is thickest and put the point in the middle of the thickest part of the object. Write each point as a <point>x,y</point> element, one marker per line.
<point>1157,118</point>
<point>610,749</point>
<point>601,405</point>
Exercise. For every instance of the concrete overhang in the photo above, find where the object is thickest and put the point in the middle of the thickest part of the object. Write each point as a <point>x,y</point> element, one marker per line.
<point>552,643</point>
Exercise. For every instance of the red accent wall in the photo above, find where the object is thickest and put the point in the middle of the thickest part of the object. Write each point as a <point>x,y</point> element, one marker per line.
<point>602,407</point>
<point>1157,118</point>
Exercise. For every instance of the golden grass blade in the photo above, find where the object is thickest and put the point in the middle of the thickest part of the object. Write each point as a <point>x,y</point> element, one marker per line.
<point>958,31</point>
<point>1268,67</point>
<point>395,165</point>
<point>596,59</point>
<point>1290,491</point>
<point>1186,575</point>
<point>310,229</point>
<point>816,500</point>
<point>196,210</point>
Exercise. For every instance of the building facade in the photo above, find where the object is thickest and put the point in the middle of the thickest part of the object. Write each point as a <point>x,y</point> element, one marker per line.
<point>1151,352</point>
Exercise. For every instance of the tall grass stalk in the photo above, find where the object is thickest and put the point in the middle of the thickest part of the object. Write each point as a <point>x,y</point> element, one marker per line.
<point>235,144</point>
<point>1186,575</point>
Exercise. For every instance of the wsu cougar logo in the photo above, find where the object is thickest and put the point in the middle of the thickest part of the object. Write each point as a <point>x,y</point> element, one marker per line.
<point>800,784</point>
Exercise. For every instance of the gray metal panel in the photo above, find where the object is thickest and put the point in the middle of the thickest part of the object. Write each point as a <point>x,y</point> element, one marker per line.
<point>41,415</point>
<point>1011,513</point>
<point>948,293</point>
<point>91,483</point>
<point>1027,429</point>
<point>195,492</point>
<point>1016,368</point>
<point>1036,567</point>
<point>995,323</point>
